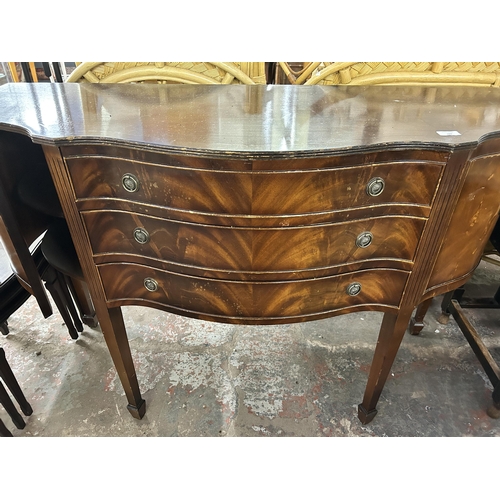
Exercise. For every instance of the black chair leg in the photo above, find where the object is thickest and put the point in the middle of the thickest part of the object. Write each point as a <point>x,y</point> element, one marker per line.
<point>68,299</point>
<point>4,328</point>
<point>4,432</point>
<point>83,301</point>
<point>417,322</point>
<point>10,381</point>
<point>10,408</point>
<point>445,304</point>
<point>54,287</point>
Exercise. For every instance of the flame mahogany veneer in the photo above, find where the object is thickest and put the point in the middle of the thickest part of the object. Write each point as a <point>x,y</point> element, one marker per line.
<point>266,205</point>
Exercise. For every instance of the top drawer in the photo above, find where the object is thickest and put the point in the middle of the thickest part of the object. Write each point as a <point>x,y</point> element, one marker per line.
<point>244,188</point>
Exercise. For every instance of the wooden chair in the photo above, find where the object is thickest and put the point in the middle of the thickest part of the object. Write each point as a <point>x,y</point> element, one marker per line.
<point>454,303</point>
<point>248,73</point>
<point>4,432</point>
<point>10,381</point>
<point>28,205</point>
<point>56,281</point>
<point>13,295</point>
<point>396,73</point>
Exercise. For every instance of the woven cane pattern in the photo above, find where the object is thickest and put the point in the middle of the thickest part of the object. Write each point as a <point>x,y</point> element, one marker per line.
<point>170,72</point>
<point>408,73</point>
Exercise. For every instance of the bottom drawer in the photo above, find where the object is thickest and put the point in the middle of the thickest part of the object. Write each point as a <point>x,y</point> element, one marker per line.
<point>252,302</point>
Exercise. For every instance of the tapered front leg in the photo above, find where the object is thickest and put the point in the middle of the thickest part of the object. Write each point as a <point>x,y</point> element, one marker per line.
<point>391,333</point>
<point>115,335</point>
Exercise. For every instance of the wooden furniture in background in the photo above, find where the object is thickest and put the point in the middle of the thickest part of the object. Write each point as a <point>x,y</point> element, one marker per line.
<point>28,207</point>
<point>482,353</point>
<point>259,205</point>
<point>455,303</point>
<point>13,295</point>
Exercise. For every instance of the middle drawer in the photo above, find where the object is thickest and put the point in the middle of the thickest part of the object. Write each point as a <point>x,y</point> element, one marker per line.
<point>391,240</point>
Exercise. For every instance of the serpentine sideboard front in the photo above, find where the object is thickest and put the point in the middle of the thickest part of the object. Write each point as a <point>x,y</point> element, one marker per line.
<point>267,204</point>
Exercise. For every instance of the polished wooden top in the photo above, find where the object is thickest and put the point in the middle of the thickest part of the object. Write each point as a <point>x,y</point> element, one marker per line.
<point>279,120</point>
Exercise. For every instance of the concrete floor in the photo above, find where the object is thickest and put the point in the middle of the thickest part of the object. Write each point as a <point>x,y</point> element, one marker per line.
<point>206,379</point>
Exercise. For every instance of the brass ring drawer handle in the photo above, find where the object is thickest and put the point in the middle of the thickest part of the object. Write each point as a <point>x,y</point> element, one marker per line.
<point>130,183</point>
<point>150,284</point>
<point>141,235</point>
<point>364,239</point>
<point>354,288</point>
<point>375,186</point>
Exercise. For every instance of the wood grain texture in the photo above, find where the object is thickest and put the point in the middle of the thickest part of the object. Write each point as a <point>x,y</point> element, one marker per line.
<point>252,302</point>
<point>257,253</point>
<point>473,220</point>
<point>316,187</point>
<point>229,248</point>
<point>252,198</point>
<point>259,121</point>
<point>452,182</point>
<point>110,319</point>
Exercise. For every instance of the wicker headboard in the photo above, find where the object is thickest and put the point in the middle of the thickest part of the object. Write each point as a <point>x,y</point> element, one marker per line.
<point>170,72</point>
<point>387,73</point>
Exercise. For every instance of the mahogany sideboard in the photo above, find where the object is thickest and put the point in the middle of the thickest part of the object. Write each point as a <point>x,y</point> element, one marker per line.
<point>267,204</point>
